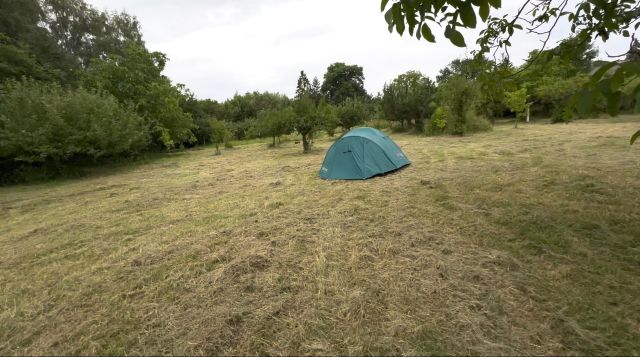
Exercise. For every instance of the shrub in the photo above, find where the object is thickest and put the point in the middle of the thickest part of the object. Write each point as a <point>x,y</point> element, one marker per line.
<point>476,123</point>
<point>459,95</point>
<point>43,122</point>
<point>379,124</point>
<point>219,133</point>
<point>438,122</point>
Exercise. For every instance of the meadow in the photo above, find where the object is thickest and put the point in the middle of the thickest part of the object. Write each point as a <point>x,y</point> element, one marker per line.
<point>514,241</point>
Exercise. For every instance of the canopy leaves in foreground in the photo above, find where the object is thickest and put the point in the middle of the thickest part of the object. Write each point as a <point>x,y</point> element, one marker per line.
<point>588,20</point>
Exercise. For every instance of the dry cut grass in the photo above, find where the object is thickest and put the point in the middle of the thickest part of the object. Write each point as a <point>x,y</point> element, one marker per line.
<point>518,241</point>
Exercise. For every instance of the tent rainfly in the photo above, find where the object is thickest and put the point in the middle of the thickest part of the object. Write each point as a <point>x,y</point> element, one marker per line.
<point>361,154</point>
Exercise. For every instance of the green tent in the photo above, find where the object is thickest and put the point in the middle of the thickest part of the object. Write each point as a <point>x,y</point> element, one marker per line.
<point>360,154</point>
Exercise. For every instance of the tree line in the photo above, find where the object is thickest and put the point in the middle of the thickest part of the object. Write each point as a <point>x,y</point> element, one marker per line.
<point>78,85</point>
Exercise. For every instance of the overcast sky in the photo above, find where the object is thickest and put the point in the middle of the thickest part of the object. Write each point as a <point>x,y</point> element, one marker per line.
<point>220,47</point>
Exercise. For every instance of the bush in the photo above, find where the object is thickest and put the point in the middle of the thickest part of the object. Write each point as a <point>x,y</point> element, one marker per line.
<point>459,95</point>
<point>219,134</point>
<point>379,124</point>
<point>476,123</point>
<point>42,122</point>
<point>438,122</point>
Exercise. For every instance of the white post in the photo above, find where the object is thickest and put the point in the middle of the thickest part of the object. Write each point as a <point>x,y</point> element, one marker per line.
<point>528,112</point>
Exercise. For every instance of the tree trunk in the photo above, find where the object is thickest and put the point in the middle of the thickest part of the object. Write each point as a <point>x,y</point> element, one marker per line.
<point>274,142</point>
<point>528,113</point>
<point>306,145</point>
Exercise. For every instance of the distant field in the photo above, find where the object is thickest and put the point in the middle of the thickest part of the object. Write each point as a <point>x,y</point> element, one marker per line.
<point>517,241</point>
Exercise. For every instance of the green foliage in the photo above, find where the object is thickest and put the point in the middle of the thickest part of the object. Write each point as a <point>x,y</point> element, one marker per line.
<point>303,87</point>
<point>517,101</point>
<point>241,111</point>
<point>379,124</point>
<point>43,122</point>
<point>201,112</point>
<point>459,95</point>
<point>408,99</point>
<point>342,82</point>
<point>245,129</point>
<point>352,113</point>
<point>553,77</point>
<point>276,123</point>
<point>421,16</point>
<point>330,118</point>
<point>588,20</point>
<point>63,36</point>
<point>87,33</point>
<point>315,91</point>
<point>17,62</point>
<point>310,118</point>
<point>135,78</point>
<point>219,133</point>
<point>470,68</point>
<point>475,123</point>
<point>438,122</point>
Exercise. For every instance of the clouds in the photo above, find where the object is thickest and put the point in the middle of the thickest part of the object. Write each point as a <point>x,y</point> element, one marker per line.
<point>221,47</point>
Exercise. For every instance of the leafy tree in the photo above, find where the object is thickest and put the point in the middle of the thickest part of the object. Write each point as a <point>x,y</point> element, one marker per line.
<point>469,68</point>
<point>316,91</point>
<point>309,119</point>
<point>23,36</point>
<point>342,82</point>
<point>242,107</point>
<point>42,122</point>
<point>136,79</point>
<point>65,35</point>
<point>352,113</point>
<point>556,93</point>
<point>408,99</point>
<point>303,87</point>
<point>588,20</point>
<point>459,96</point>
<point>275,123</point>
<point>517,102</point>
<point>219,133</point>
<point>201,111</point>
<point>17,62</point>
<point>87,33</point>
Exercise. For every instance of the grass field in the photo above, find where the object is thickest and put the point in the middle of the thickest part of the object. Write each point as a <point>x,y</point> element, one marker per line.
<point>517,241</point>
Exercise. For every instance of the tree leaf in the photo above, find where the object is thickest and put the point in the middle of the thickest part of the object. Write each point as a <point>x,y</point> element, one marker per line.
<point>584,101</point>
<point>456,38</point>
<point>397,18</point>
<point>601,71</point>
<point>495,3</point>
<point>467,15</point>
<point>388,17</point>
<point>617,79</point>
<point>427,34</point>
<point>383,5</point>
<point>613,103</point>
<point>484,10</point>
